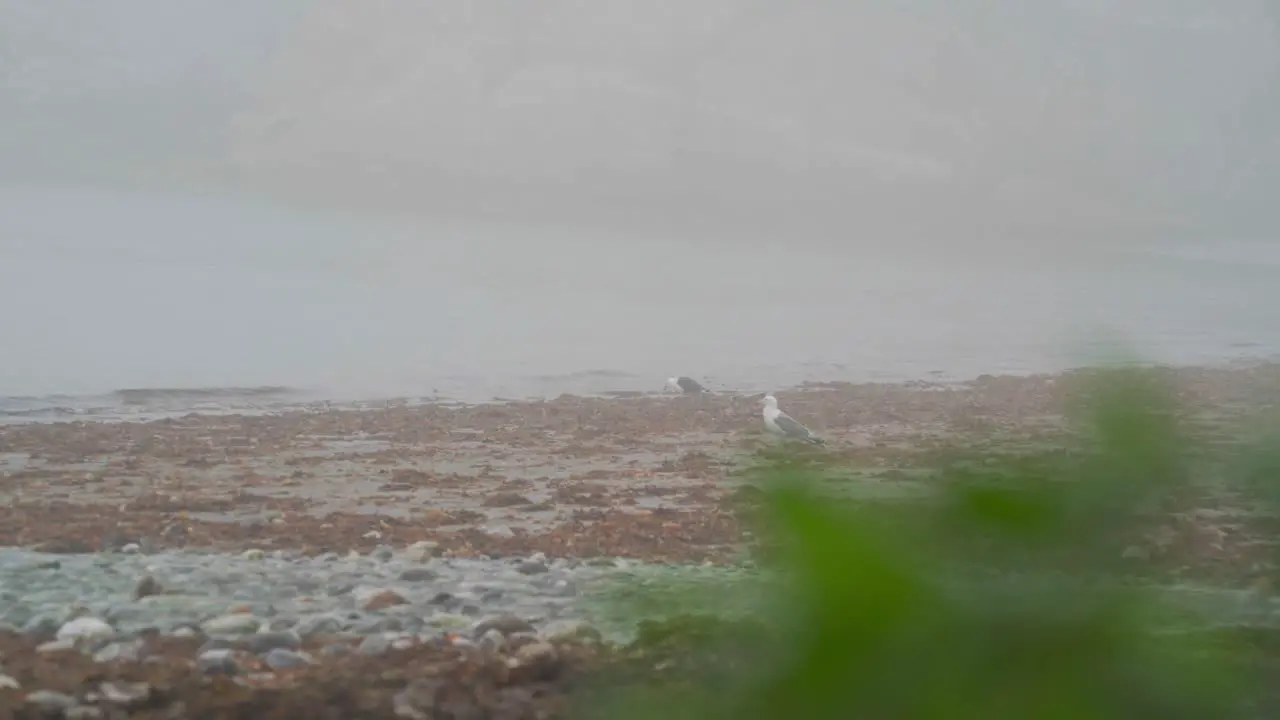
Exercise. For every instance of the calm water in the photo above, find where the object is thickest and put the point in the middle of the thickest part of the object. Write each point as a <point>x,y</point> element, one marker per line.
<point>111,290</point>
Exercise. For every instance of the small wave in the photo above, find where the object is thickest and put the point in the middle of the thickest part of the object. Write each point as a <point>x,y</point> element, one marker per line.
<point>146,396</point>
<point>585,375</point>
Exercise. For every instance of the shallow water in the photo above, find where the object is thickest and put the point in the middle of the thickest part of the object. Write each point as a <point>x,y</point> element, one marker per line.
<point>110,290</point>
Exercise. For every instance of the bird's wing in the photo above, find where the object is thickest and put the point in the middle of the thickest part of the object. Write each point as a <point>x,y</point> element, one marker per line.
<point>690,385</point>
<point>791,427</point>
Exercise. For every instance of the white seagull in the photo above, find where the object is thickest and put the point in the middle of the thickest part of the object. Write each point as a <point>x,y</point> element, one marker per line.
<point>780,423</point>
<point>683,384</point>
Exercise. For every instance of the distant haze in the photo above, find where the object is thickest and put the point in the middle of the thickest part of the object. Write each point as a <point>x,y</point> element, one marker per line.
<point>1069,120</point>
<point>529,197</point>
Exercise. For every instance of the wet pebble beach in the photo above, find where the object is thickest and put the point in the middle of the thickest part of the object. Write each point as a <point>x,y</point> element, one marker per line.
<point>425,561</point>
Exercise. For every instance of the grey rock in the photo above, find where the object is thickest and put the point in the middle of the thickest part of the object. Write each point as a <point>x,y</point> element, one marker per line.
<point>419,575</point>
<point>82,712</point>
<point>281,624</point>
<point>236,624</point>
<point>53,646</point>
<point>491,596</point>
<point>532,567</point>
<point>379,625</point>
<point>218,643</point>
<point>217,662</point>
<point>50,701</point>
<point>540,658</point>
<point>492,642</point>
<point>266,642</point>
<point>382,553</point>
<point>119,652</point>
<point>374,645</point>
<point>335,650</point>
<point>570,630</point>
<point>8,683</point>
<point>444,599</point>
<point>125,693</point>
<point>284,658</point>
<point>422,551</point>
<point>86,627</point>
<point>318,625</point>
<point>505,624</point>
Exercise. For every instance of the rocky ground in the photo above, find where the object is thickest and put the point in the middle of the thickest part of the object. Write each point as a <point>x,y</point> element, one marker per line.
<point>374,550</point>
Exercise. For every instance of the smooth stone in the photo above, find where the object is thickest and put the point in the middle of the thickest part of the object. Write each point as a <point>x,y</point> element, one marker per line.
<point>492,641</point>
<point>49,700</point>
<point>491,596</point>
<point>445,599</point>
<point>318,625</point>
<point>8,683</point>
<point>86,627</point>
<point>266,642</point>
<point>379,625</point>
<point>419,575</point>
<point>218,643</point>
<point>335,650</point>
<point>505,624</point>
<point>82,712</point>
<point>253,554</point>
<point>236,624</point>
<point>131,549</point>
<point>382,553</point>
<point>219,661</point>
<point>284,658</point>
<point>63,645</point>
<point>532,567</point>
<point>281,624</point>
<point>570,630</point>
<point>539,654</point>
<point>183,631</point>
<point>374,645</point>
<point>125,693</point>
<point>449,621</point>
<point>422,550</point>
<point>119,652</point>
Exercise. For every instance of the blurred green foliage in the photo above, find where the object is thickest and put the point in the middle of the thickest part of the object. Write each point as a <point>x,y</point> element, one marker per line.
<point>996,597</point>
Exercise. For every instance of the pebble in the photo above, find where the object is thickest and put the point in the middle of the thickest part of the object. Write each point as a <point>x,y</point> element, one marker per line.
<point>419,575</point>
<point>422,551</point>
<point>51,701</point>
<point>85,628</point>
<point>266,642</point>
<point>119,652</point>
<point>8,683</point>
<point>374,645</point>
<point>235,623</point>
<point>283,659</point>
<point>505,624</point>
<point>125,693</point>
<point>382,599</point>
<point>219,661</point>
<point>53,646</point>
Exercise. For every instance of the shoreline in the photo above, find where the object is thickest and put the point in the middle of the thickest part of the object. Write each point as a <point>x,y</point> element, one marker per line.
<point>645,477</point>
<point>360,560</point>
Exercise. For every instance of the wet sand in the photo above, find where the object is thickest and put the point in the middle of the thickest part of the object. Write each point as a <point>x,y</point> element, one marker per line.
<point>640,477</point>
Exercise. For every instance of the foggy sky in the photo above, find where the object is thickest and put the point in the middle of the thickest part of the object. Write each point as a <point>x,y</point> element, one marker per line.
<point>1087,117</point>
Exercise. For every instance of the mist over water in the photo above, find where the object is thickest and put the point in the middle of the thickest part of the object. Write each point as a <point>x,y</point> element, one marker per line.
<point>481,200</point>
